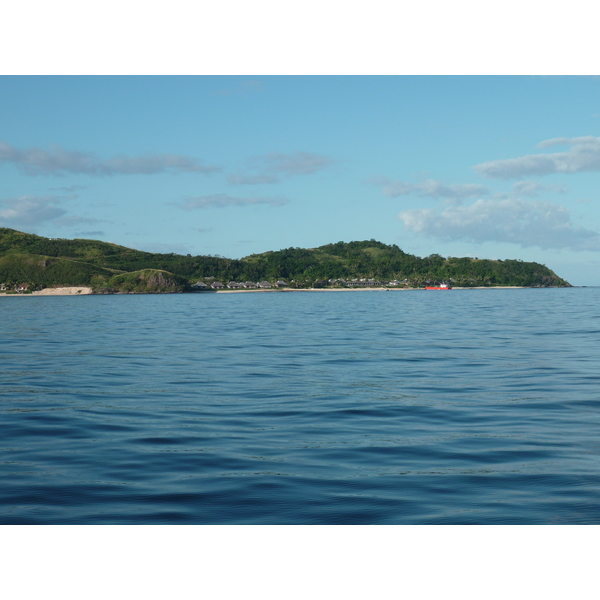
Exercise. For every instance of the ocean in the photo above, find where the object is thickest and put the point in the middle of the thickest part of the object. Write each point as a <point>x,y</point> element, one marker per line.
<point>403,407</point>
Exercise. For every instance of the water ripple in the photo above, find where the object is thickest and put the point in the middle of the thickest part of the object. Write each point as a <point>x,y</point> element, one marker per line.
<point>466,407</point>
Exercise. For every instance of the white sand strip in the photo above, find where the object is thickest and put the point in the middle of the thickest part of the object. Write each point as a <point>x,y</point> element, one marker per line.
<point>58,291</point>
<point>364,289</point>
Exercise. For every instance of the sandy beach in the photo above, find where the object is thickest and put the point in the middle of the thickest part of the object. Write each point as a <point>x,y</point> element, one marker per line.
<point>58,291</point>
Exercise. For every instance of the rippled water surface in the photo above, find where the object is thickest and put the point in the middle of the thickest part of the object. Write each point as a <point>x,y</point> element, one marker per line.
<point>402,407</point>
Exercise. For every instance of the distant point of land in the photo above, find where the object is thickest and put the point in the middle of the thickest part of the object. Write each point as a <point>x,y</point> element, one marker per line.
<point>31,263</point>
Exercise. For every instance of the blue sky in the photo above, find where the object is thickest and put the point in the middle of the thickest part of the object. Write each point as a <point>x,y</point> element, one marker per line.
<point>486,166</point>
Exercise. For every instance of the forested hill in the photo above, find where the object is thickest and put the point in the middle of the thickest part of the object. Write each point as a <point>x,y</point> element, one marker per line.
<point>44,262</point>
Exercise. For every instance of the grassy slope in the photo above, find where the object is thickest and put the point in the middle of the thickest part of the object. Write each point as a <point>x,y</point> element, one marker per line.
<point>47,271</point>
<point>44,262</point>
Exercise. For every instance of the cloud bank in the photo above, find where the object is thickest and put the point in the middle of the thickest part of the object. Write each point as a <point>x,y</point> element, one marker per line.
<point>583,155</point>
<point>223,200</point>
<point>455,192</point>
<point>272,166</point>
<point>300,163</point>
<point>69,188</point>
<point>251,179</point>
<point>58,161</point>
<point>532,188</point>
<point>33,210</point>
<point>527,223</point>
<point>29,210</point>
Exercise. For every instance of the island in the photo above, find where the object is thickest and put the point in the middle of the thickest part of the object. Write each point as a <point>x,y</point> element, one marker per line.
<point>31,264</point>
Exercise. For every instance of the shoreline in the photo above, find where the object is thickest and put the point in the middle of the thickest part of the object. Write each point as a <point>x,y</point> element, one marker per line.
<point>86,291</point>
<point>368,289</point>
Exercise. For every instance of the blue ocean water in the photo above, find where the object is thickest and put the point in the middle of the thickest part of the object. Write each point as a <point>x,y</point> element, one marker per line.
<point>400,407</point>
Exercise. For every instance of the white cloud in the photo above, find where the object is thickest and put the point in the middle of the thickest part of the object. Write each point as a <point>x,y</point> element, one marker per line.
<point>58,161</point>
<point>222,200</point>
<point>563,141</point>
<point>251,179</point>
<point>454,192</point>
<point>532,188</point>
<point>69,188</point>
<point>150,164</point>
<point>583,155</point>
<point>300,163</point>
<point>33,210</point>
<point>29,210</point>
<point>517,221</point>
<point>269,167</point>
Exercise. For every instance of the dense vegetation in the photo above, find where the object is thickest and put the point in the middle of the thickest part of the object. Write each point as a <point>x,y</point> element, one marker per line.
<point>44,271</point>
<point>44,262</point>
<point>146,281</point>
<point>371,259</point>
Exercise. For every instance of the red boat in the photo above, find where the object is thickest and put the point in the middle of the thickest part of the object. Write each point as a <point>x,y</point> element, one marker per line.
<point>442,286</point>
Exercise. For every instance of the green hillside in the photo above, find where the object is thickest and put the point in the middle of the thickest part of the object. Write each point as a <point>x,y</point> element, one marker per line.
<point>372,259</point>
<point>46,271</point>
<point>146,281</point>
<point>44,262</point>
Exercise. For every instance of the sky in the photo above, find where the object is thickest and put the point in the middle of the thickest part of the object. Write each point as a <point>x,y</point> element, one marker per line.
<point>501,167</point>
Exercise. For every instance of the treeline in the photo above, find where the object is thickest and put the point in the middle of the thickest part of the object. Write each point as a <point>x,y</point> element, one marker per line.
<point>46,262</point>
<point>383,262</point>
